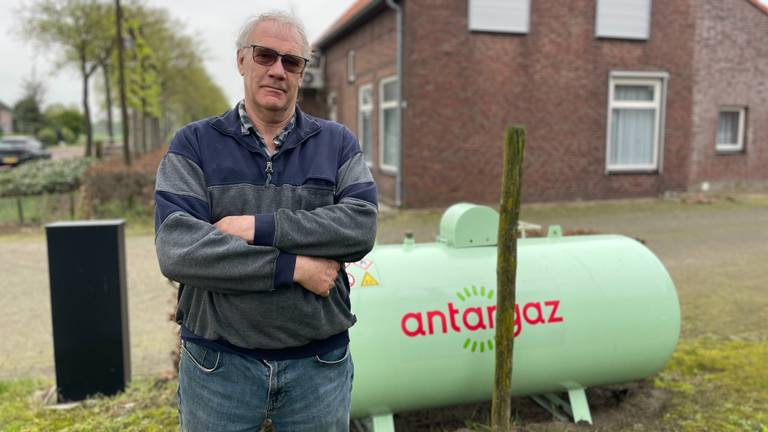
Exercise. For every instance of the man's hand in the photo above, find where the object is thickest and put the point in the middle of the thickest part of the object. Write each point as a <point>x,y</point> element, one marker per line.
<point>240,226</point>
<point>316,274</point>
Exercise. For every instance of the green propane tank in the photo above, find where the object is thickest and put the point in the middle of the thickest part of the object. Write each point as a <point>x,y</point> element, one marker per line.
<point>591,310</point>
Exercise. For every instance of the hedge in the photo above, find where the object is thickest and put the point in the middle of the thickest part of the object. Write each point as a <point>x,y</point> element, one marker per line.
<point>43,177</point>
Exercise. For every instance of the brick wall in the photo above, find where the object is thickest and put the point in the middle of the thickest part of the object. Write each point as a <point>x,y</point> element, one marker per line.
<point>730,69</point>
<point>375,50</point>
<point>463,88</point>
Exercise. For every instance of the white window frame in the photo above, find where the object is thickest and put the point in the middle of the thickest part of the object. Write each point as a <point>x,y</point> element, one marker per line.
<point>659,83</point>
<point>365,109</point>
<point>739,145</point>
<point>385,105</point>
<point>351,66</point>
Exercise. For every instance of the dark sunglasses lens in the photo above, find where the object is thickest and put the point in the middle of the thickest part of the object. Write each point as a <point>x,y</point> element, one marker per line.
<point>264,56</point>
<point>292,63</point>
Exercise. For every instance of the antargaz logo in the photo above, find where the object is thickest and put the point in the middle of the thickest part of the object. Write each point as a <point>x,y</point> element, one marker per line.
<point>476,318</point>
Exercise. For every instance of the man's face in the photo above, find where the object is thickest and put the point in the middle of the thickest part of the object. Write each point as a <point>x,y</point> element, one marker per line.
<point>271,88</point>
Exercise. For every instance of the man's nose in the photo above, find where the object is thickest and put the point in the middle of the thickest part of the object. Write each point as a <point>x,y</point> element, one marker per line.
<point>277,70</point>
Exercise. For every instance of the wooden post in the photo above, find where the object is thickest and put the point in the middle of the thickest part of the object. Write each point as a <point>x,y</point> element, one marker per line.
<point>506,269</point>
<point>20,208</point>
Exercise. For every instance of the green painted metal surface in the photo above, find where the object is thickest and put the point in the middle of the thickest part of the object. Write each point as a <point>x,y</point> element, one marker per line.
<point>592,310</point>
<point>469,225</point>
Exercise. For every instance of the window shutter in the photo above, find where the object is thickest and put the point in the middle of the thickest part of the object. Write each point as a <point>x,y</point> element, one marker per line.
<point>623,19</point>
<point>507,16</point>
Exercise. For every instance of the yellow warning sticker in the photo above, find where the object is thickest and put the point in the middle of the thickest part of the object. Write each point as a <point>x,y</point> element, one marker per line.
<point>368,280</point>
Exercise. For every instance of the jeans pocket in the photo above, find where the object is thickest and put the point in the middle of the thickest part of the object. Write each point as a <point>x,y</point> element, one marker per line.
<point>205,359</point>
<point>336,356</point>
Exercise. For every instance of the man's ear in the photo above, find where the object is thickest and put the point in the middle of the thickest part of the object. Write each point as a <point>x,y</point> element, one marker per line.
<point>240,59</point>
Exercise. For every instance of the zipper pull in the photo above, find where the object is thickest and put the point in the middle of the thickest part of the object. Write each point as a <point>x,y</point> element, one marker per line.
<point>269,171</point>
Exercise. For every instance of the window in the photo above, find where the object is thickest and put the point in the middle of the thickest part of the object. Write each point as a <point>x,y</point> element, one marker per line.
<point>623,19</point>
<point>365,120</point>
<point>333,107</point>
<point>634,123</point>
<point>351,65</point>
<point>507,16</point>
<point>389,124</point>
<point>730,129</point>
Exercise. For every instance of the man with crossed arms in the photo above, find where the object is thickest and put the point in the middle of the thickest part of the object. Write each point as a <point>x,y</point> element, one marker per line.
<point>257,209</point>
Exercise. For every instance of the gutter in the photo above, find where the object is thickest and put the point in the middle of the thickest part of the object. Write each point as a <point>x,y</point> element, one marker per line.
<point>400,103</point>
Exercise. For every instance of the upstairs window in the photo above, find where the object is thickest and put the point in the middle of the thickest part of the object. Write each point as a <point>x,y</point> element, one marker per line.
<point>730,129</point>
<point>505,16</point>
<point>623,19</point>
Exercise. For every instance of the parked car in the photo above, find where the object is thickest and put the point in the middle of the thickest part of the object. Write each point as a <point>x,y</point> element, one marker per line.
<point>16,149</point>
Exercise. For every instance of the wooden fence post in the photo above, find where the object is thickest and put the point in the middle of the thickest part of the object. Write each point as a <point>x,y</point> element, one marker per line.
<point>506,269</point>
<point>20,208</point>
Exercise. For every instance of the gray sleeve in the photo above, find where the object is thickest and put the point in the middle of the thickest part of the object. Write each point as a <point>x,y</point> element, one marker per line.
<point>344,231</point>
<point>192,251</point>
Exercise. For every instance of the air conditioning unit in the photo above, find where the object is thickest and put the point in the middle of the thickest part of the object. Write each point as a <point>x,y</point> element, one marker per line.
<point>313,78</point>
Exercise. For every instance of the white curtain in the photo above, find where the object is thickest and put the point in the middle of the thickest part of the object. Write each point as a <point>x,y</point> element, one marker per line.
<point>367,135</point>
<point>728,128</point>
<point>391,137</point>
<point>632,136</point>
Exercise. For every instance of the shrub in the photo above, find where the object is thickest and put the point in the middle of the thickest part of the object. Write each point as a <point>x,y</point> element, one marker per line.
<point>43,177</point>
<point>113,189</point>
<point>68,136</point>
<point>47,136</point>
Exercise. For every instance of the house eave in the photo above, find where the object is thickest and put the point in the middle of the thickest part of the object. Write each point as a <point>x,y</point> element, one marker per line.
<point>361,17</point>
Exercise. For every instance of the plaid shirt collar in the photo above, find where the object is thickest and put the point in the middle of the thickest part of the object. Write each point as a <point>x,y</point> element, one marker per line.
<point>247,127</point>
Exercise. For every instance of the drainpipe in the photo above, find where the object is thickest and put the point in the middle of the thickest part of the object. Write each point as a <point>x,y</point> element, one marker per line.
<point>400,103</point>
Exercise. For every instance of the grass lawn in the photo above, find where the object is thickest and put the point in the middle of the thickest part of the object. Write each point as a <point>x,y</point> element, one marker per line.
<point>717,380</point>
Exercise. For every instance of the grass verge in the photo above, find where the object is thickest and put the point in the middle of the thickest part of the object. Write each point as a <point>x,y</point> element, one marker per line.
<point>146,405</point>
<point>718,386</point>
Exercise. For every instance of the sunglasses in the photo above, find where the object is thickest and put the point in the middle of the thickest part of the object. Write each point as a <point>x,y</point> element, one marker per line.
<point>267,57</point>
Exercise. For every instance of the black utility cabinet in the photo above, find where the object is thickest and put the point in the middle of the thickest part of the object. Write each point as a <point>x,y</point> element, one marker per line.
<point>89,307</point>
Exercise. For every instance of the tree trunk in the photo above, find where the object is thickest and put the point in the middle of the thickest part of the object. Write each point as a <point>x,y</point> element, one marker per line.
<point>506,270</point>
<point>136,126</point>
<point>108,91</point>
<point>158,137</point>
<point>121,74</point>
<point>144,119</point>
<point>86,109</point>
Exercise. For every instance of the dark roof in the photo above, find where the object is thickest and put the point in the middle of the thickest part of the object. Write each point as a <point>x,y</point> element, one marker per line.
<point>357,14</point>
<point>4,107</point>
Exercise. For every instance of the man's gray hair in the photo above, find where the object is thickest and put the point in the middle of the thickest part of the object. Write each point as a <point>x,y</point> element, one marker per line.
<point>274,16</point>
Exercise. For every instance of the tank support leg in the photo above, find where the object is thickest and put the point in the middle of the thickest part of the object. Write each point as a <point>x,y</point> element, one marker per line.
<point>578,408</point>
<point>383,423</point>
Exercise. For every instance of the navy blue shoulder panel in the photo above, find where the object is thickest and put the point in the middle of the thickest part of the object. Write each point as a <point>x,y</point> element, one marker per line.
<point>186,142</point>
<point>229,158</point>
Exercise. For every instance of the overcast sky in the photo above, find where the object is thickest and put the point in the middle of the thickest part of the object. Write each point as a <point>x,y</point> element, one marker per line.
<point>215,23</point>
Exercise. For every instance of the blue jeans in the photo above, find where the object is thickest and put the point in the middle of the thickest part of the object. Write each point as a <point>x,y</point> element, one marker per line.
<point>223,392</point>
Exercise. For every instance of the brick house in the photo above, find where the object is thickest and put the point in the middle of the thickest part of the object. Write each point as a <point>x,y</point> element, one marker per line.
<point>620,98</point>
<point>6,118</point>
